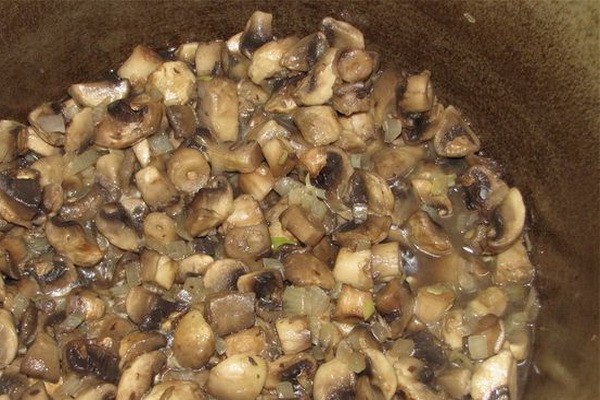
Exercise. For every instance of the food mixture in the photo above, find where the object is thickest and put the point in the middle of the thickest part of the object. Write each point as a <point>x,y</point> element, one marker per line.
<point>259,217</point>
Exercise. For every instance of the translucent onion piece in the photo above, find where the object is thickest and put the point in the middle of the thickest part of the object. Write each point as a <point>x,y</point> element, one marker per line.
<point>160,144</point>
<point>81,162</point>
<point>478,348</point>
<point>285,390</point>
<point>392,128</point>
<point>285,184</point>
<point>71,322</point>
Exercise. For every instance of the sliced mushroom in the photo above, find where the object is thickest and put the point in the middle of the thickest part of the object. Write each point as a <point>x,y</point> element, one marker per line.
<point>218,108</point>
<point>258,31</point>
<point>20,195</point>
<point>352,98</point>
<point>8,338</point>
<point>384,95</point>
<point>508,221</point>
<point>354,304</point>
<point>266,60</point>
<point>333,380</point>
<point>370,189</point>
<point>295,368</point>
<point>137,343</point>
<point>70,240</point>
<point>355,65</point>
<point>318,124</point>
<point>301,225</point>
<point>56,276</point>
<point>230,312</point>
<point>342,35</point>
<point>513,266</point>
<point>240,377</point>
<point>124,126</point>
<point>427,236</point>
<point>210,207</point>
<point>305,52</point>
<point>279,155</point>
<point>156,189</point>
<point>176,390</point>
<point>453,137</point>
<point>193,341</point>
<point>418,95</point>
<point>93,94</point>
<point>317,87</point>
<point>432,302</point>
<point>374,230</point>
<point>304,269</point>
<point>9,133</point>
<point>137,378</point>
<point>140,64</point>
<point>80,132</point>
<point>386,263</point>
<point>495,377</point>
<point>42,360</point>
<point>175,81</point>
<point>193,266</point>
<point>354,268</point>
<point>147,309</point>
<point>395,303</point>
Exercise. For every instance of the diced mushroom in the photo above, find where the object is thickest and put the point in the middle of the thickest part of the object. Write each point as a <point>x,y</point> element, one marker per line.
<point>354,304</point>
<point>418,95</point>
<point>305,53</point>
<point>432,302</point>
<point>36,392</point>
<point>87,357</point>
<point>355,65</point>
<point>42,360</point>
<point>158,269</point>
<point>267,286</point>
<point>483,188</point>
<point>187,52</point>
<point>85,207</point>
<point>374,230</point>
<point>295,368</point>
<point>240,377</point>
<point>193,341</point>
<point>294,334</point>
<point>85,303</point>
<point>395,303</point>
<point>9,133</point>
<point>251,341</point>
<point>237,157</point>
<point>157,190</point>
<point>386,263</point>
<point>266,60</point>
<point>279,155</point>
<point>432,185</point>
<point>453,137</point>
<point>20,195</point>
<point>137,378</point>
<point>176,390</point>
<point>508,221</point>
<point>371,190</point>
<point>333,380</point>
<point>382,373</point>
<point>8,338</point>
<point>222,275</point>
<point>80,132</point>
<point>147,309</point>
<point>342,35</point>
<point>428,236</point>
<point>218,108</point>
<point>384,95</point>
<point>140,64</point>
<point>208,58</point>
<point>230,312</point>
<point>491,300</point>
<point>317,87</point>
<point>257,183</point>
<point>304,269</point>
<point>113,222</point>
<point>301,225</point>
<point>495,377</point>
<point>455,328</point>
<point>513,266</point>
<point>137,343</point>
<point>258,31</point>
<point>352,98</point>
<point>98,392</point>
<point>93,94</point>
<point>455,381</point>
<point>210,207</point>
<point>487,338</point>
<point>175,81</point>
<point>354,268</point>
<point>318,124</point>
<point>407,374</point>
<point>70,240</point>
<point>391,162</point>
<point>56,276</point>
<point>123,125</point>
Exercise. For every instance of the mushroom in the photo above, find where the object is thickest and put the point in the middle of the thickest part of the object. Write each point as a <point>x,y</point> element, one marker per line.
<point>140,64</point>
<point>257,183</point>
<point>508,221</point>
<point>455,329</point>
<point>318,124</point>
<point>495,377</point>
<point>230,312</point>
<point>93,94</point>
<point>455,381</point>
<point>56,276</point>
<point>70,240</point>
<point>42,359</point>
<point>266,60</point>
<point>8,338</point>
<point>137,378</point>
<point>268,288</point>
<point>124,124</point>
<point>513,266</point>
<point>352,98</point>
<point>156,189</point>
<point>85,207</point>
<point>240,377</point>
<point>146,308</point>
<point>136,343</point>
<point>9,133</point>
<point>418,96</point>
<point>353,304</point>
<point>294,334</point>
<point>48,123</point>
<point>432,302</point>
<point>432,186</point>
<point>193,340</point>
<point>316,88</point>
<point>87,357</point>
<point>408,370</point>
<point>98,392</point>
<point>218,108</point>
<point>333,380</point>
<point>208,58</point>
<point>395,303</point>
<point>371,190</point>
<point>158,269</point>
<point>192,266</point>
<point>14,253</point>
<point>357,130</point>
<point>238,157</point>
<point>354,268</point>
<point>183,120</point>
<point>252,341</point>
<point>374,230</point>
<point>20,195</point>
<point>384,95</point>
<point>491,300</point>
<point>36,391</point>
<point>396,161</point>
<point>257,32</point>
<point>303,54</point>
<point>487,337</point>
<point>355,65</point>
<point>386,263</point>
<point>302,226</point>
<point>234,63</point>
<point>159,228</point>
<point>80,132</point>
<point>453,137</point>
<point>298,369</point>
<point>279,155</point>
<point>175,81</point>
<point>382,373</point>
<point>176,390</point>
<point>427,236</point>
<point>342,35</point>
<point>482,187</point>
<point>113,222</point>
<point>210,207</point>
<point>222,275</point>
<point>304,269</point>
<point>85,303</point>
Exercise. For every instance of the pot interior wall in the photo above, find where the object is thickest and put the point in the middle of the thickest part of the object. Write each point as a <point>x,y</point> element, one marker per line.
<point>525,73</point>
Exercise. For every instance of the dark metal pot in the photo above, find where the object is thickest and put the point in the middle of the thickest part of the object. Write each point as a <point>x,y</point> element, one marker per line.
<point>525,72</point>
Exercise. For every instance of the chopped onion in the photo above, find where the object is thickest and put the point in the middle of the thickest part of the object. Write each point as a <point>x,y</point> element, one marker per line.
<point>284,185</point>
<point>132,274</point>
<point>310,300</point>
<point>380,330</point>
<point>355,160</point>
<point>402,347</point>
<point>51,123</point>
<point>20,304</point>
<point>532,306</point>
<point>278,241</point>
<point>160,144</point>
<point>272,263</point>
<point>285,390</point>
<point>119,290</point>
<point>81,162</point>
<point>478,348</point>
<point>392,128</point>
<point>220,346</point>
<point>71,322</point>
<point>357,362</point>
<point>194,285</point>
<point>359,212</point>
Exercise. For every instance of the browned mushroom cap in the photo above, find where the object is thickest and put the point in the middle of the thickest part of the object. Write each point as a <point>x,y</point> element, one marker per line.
<point>230,312</point>
<point>418,95</point>
<point>316,88</point>
<point>210,207</point>
<point>318,124</point>
<point>86,303</point>
<point>92,94</point>
<point>80,131</point>
<point>374,230</point>
<point>208,58</point>
<point>295,368</point>
<point>218,108</point>
<point>175,81</point>
<point>8,338</point>
<point>431,184</point>
<point>426,235</point>
<point>42,360</point>
<point>507,222</point>
<point>85,207</point>
<point>453,137</point>
<point>236,157</point>
<point>70,240</point>
<point>137,378</point>
<point>20,195</point>
<point>395,303</point>
<point>352,98</point>
<point>113,222</point>
<point>9,133</point>
<point>302,225</point>
<point>371,190</point>
<point>355,65</point>
<point>14,253</point>
<point>304,269</point>
<point>333,380</point>
<point>88,357</point>
<point>483,188</point>
<point>305,53</point>
<point>240,377</point>
<point>124,126</point>
<point>137,343</point>
<point>157,190</point>
<point>193,340</point>
<point>183,120</point>
<point>140,64</point>
<point>495,377</point>
<point>222,275</point>
<point>147,309</point>
<point>258,31</point>
<point>342,35</point>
